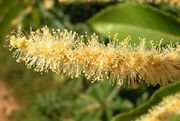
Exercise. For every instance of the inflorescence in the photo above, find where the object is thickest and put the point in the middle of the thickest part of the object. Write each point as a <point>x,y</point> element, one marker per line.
<point>65,51</point>
<point>166,109</point>
<point>170,2</point>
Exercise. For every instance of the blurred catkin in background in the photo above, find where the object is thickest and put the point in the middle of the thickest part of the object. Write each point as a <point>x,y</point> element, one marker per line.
<point>164,111</point>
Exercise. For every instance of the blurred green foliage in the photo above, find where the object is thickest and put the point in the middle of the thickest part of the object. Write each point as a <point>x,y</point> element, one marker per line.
<point>50,97</point>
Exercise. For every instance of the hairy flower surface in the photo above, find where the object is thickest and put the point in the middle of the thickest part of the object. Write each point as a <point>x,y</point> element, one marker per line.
<point>171,2</point>
<point>65,51</point>
<point>169,107</point>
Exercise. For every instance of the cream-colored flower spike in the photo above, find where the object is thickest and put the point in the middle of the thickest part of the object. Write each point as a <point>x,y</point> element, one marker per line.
<point>170,2</point>
<point>169,107</point>
<point>65,51</point>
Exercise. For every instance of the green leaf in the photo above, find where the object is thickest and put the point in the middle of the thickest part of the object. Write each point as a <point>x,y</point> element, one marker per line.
<point>137,21</point>
<point>175,118</point>
<point>155,99</point>
<point>9,10</point>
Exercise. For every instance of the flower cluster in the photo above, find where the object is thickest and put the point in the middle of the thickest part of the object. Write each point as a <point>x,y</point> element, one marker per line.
<point>170,2</point>
<point>169,107</point>
<point>65,51</point>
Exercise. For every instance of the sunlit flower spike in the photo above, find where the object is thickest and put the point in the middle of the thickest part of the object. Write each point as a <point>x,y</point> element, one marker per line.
<point>164,111</point>
<point>65,51</point>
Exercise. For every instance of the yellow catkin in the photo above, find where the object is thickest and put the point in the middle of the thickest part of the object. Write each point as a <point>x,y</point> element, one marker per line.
<point>167,108</point>
<point>170,2</point>
<point>64,51</point>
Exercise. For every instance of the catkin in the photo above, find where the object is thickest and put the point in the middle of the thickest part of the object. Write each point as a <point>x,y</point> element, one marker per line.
<point>169,2</point>
<point>167,108</point>
<point>65,51</point>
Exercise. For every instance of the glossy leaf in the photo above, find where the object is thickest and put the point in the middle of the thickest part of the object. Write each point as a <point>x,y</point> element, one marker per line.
<point>137,21</point>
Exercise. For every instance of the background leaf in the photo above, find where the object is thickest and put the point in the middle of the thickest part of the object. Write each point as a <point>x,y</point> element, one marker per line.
<point>137,21</point>
<point>9,10</point>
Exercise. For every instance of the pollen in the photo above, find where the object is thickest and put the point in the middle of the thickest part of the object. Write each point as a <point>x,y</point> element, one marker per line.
<point>20,43</point>
<point>63,51</point>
